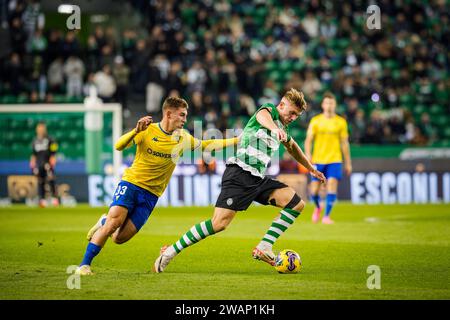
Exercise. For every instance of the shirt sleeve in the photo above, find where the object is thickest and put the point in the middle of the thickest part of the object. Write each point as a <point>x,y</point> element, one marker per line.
<point>343,134</point>
<point>288,133</point>
<point>139,137</point>
<point>193,143</point>
<point>269,108</point>
<point>312,127</point>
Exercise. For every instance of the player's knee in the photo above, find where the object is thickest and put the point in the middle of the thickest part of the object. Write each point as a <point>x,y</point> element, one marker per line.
<point>110,227</point>
<point>295,203</point>
<point>299,207</point>
<point>117,239</point>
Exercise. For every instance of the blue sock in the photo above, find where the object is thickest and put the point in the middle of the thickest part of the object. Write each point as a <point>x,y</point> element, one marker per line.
<point>331,198</point>
<point>316,200</point>
<point>91,251</point>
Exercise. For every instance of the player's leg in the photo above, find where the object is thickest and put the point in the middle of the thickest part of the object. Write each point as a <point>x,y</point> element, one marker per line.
<point>291,204</point>
<point>50,173</point>
<point>332,186</point>
<point>315,194</point>
<point>221,219</point>
<point>127,231</point>
<point>145,203</point>
<point>40,174</point>
<point>334,174</point>
<point>115,218</point>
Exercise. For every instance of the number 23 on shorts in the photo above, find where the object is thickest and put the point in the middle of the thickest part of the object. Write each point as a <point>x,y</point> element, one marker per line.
<point>120,191</point>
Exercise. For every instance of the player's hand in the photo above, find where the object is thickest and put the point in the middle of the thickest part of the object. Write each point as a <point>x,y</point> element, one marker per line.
<point>52,162</point>
<point>281,135</point>
<point>319,175</point>
<point>348,169</point>
<point>143,123</point>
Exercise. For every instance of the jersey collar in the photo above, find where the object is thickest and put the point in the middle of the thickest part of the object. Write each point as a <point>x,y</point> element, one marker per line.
<point>160,128</point>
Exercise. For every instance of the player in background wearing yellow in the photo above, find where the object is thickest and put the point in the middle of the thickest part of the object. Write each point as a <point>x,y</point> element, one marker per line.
<point>329,134</point>
<point>159,147</point>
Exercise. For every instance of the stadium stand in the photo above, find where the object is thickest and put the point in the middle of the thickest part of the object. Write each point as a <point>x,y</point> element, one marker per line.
<point>228,56</point>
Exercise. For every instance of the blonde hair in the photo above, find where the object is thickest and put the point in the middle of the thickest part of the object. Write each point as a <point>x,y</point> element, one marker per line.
<point>174,103</point>
<point>297,98</point>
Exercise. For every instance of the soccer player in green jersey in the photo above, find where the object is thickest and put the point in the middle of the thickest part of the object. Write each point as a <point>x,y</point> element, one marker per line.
<point>244,181</point>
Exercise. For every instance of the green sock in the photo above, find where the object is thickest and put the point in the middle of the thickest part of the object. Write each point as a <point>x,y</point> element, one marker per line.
<point>279,226</point>
<point>198,232</point>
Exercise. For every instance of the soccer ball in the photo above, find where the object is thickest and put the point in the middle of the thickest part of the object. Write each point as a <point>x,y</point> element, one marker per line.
<point>288,261</point>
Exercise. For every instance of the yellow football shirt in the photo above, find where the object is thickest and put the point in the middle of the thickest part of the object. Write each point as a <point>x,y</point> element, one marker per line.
<point>157,154</point>
<point>327,134</point>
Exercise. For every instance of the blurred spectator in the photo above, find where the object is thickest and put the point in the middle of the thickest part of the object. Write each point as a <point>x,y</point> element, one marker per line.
<point>221,54</point>
<point>74,72</point>
<point>358,127</point>
<point>311,84</point>
<point>70,45</point>
<point>105,84</point>
<point>55,75</point>
<point>155,87</point>
<point>139,68</point>
<point>427,129</point>
<point>196,78</point>
<point>311,25</point>
<point>18,36</point>
<point>37,43</point>
<point>14,74</point>
<point>121,74</point>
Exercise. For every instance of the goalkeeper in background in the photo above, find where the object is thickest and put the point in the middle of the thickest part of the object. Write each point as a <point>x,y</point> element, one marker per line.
<point>42,163</point>
<point>159,147</point>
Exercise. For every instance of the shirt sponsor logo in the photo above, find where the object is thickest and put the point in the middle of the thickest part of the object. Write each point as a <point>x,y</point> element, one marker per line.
<point>161,154</point>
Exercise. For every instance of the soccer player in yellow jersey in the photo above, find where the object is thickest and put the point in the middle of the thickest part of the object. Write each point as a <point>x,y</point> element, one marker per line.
<point>159,146</point>
<point>329,134</point>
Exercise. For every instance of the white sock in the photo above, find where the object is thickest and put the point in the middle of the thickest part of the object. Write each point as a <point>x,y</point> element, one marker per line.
<point>170,251</point>
<point>263,245</point>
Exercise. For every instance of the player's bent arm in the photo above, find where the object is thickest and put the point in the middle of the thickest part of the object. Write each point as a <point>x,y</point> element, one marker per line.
<point>32,161</point>
<point>52,161</point>
<point>294,149</point>
<point>125,141</point>
<point>345,147</point>
<point>265,119</point>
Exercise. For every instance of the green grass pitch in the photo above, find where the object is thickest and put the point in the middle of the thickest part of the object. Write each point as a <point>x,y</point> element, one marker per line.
<point>410,244</point>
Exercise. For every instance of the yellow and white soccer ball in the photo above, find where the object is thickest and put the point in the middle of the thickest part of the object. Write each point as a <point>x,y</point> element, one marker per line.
<point>288,261</point>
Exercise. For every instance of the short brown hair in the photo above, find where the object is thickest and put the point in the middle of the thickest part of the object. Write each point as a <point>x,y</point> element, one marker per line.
<point>174,103</point>
<point>297,98</point>
<point>329,95</point>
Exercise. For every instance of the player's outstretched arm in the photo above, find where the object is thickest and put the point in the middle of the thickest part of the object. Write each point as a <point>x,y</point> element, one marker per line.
<point>126,140</point>
<point>294,149</point>
<point>218,144</point>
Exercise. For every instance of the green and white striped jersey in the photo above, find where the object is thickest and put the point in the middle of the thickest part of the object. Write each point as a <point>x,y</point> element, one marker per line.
<point>258,144</point>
